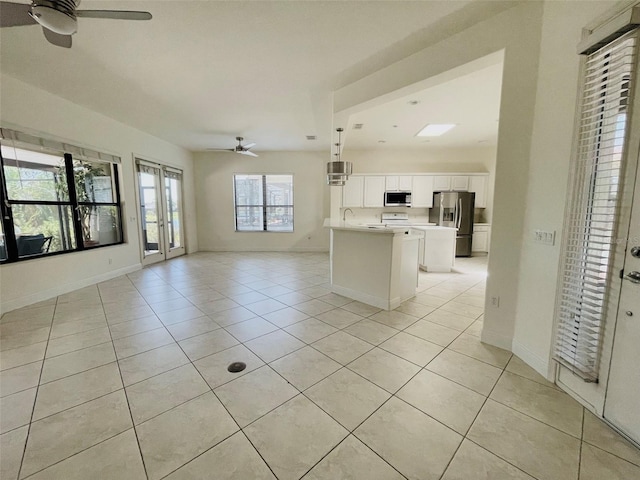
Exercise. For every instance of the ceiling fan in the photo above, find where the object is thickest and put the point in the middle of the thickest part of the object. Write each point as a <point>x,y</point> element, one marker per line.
<point>241,149</point>
<point>59,18</point>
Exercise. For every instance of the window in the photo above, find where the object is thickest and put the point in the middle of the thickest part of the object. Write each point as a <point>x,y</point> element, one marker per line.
<point>54,201</point>
<point>594,205</point>
<point>264,203</point>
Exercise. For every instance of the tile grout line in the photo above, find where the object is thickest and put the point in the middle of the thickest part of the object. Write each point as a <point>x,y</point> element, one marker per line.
<point>35,400</point>
<point>240,429</point>
<point>135,432</point>
<point>581,444</point>
<point>465,436</point>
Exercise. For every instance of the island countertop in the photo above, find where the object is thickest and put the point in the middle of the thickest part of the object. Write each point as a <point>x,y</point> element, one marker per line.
<point>369,228</point>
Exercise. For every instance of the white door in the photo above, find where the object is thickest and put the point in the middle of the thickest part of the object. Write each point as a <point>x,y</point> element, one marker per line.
<point>622,402</point>
<point>161,217</point>
<point>174,223</point>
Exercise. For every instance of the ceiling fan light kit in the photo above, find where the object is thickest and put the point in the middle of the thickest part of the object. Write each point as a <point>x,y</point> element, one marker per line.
<point>338,171</point>
<point>58,18</point>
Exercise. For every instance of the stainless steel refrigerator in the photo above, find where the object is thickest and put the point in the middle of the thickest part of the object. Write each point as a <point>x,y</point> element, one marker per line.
<point>455,209</point>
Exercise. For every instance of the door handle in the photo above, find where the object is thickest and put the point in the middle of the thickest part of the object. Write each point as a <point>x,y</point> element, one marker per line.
<point>633,277</point>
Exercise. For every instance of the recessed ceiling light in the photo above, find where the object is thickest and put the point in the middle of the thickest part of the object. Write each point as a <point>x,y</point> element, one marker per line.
<point>435,129</point>
<point>311,137</point>
<point>382,141</point>
<point>413,102</point>
<point>395,126</point>
<point>358,126</point>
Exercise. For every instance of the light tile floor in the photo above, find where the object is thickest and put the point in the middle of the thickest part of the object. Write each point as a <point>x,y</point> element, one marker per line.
<point>128,380</point>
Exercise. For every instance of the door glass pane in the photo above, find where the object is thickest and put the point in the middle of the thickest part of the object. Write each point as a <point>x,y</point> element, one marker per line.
<point>43,228</point>
<point>3,244</point>
<point>150,212</point>
<point>249,218</point>
<point>174,199</point>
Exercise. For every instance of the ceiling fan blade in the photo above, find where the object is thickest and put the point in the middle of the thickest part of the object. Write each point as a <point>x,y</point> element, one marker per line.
<point>114,14</point>
<point>249,145</point>
<point>247,152</point>
<point>57,39</point>
<point>15,14</point>
<point>220,150</point>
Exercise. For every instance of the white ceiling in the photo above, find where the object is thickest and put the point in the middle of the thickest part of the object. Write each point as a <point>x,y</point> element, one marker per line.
<point>202,72</point>
<point>471,102</point>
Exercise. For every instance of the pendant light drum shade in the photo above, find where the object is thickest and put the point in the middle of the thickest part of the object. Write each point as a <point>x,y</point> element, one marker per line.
<point>338,171</point>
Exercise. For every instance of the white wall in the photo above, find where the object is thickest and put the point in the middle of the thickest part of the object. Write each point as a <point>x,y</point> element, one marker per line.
<point>24,107</point>
<point>515,32</point>
<point>215,205</point>
<point>433,160</point>
<point>548,172</point>
<point>537,116</point>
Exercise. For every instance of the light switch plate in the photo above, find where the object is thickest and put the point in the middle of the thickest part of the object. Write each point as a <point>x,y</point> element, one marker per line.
<point>544,237</point>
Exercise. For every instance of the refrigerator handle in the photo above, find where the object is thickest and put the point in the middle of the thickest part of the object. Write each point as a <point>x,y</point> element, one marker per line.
<point>459,213</point>
<point>455,214</point>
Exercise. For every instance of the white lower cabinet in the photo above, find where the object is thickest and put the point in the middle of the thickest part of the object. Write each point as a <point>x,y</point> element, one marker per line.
<point>480,239</point>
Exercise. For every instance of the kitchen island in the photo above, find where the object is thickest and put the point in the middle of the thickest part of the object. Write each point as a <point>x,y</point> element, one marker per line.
<point>376,265</point>
<point>437,247</point>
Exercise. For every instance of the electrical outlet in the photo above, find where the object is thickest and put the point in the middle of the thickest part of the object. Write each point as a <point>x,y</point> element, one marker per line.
<point>495,301</point>
<point>544,237</point>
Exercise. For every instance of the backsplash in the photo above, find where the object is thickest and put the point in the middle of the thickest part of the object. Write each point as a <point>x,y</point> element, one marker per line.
<point>372,215</point>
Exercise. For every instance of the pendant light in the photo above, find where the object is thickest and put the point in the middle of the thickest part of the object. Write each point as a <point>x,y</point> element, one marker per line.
<point>338,171</point>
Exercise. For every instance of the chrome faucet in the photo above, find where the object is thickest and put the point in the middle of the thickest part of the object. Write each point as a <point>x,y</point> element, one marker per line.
<point>344,215</point>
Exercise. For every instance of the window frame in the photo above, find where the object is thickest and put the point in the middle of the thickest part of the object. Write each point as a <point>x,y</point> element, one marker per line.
<point>6,207</point>
<point>264,205</point>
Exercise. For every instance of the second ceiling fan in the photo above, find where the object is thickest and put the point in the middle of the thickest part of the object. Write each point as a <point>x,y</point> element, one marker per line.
<point>241,149</point>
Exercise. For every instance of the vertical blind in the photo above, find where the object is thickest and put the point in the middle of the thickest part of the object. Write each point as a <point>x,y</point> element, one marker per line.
<point>593,205</point>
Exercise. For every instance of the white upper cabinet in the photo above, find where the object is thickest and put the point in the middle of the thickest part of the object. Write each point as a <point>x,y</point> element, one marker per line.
<point>478,185</point>
<point>460,183</point>
<point>444,183</point>
<point>352,191</point>
<point>374,188</point>
<point>405,183</point>
<point>422,191</point>
<point>396,183</point>
<point>441,183</point>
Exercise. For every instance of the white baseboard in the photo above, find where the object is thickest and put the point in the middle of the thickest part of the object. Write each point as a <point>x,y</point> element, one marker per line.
<point>365,298</point>
<point>258,249</point>
<point>20,302</point>
<point>539,364</point>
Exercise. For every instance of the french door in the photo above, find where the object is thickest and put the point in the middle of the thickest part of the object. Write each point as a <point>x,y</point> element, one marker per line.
<point>161,215</point>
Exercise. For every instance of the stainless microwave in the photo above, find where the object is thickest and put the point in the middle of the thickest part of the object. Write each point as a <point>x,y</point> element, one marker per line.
<point>397,199</point>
